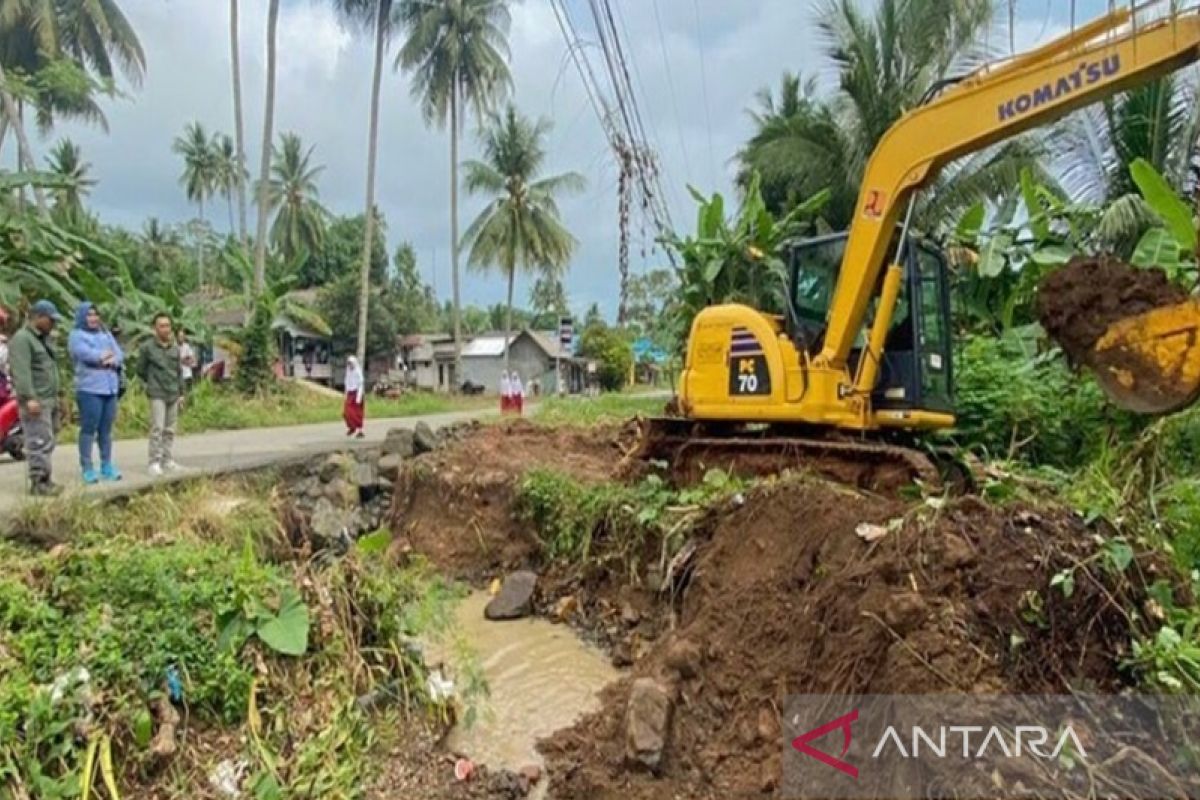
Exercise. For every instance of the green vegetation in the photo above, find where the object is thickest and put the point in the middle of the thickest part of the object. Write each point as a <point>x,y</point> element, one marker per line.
<point>198,596</point>
<point>211,407</point>
<point>575,521</point>
<point>608,408</point>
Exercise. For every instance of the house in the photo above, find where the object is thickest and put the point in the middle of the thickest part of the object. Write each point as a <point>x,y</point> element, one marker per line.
<point>426,360</point>
<point>533,355</point>
<point>303,352</point>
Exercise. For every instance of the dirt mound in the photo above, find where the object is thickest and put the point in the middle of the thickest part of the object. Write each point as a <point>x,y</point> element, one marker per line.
<point>454,505</point>
<point>1077,303</point>
<point>787,599</point>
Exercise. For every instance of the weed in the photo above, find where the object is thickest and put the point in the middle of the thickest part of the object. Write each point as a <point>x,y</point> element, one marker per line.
<point>607,408</point>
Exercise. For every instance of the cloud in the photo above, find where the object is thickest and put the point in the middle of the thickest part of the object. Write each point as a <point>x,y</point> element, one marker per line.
<point>693,107</point>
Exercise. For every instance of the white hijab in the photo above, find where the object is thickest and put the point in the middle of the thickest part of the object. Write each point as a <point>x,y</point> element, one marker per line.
<point>517,389</point>
<point>354,377</point>
<point>505,384</point>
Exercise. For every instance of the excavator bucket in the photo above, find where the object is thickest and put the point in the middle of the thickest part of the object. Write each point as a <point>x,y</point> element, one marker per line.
<point>1150,363</point>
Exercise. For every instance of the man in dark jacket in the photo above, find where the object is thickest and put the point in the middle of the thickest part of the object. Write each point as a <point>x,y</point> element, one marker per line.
<point>158,366</point>
<point>35,382</point>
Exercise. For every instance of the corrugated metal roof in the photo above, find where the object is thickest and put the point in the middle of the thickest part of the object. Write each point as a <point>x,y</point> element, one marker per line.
<point>484,347</point>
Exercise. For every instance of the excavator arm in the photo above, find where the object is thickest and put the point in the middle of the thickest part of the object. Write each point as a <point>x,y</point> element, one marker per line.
<point>1105,57</point>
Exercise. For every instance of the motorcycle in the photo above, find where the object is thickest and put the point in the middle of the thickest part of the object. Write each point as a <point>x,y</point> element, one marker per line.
<point>12,440</point>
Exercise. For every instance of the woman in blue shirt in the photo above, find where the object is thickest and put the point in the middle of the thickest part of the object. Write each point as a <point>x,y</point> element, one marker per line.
<point>97,358</point>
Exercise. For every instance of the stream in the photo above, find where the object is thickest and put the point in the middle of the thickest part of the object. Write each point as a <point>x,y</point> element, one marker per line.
<point>541,678</point>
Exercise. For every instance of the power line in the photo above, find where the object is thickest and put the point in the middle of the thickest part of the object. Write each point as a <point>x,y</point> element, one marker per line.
<point>662,45</point>
<point>712,158</point>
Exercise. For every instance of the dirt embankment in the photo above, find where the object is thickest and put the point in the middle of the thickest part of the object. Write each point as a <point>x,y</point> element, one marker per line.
<point>786,598</point>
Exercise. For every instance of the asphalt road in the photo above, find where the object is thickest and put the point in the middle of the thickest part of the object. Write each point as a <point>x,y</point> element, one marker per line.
<point>214,453</point>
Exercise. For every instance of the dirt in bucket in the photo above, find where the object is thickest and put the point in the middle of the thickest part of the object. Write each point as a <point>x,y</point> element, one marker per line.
<point>1077,303</point>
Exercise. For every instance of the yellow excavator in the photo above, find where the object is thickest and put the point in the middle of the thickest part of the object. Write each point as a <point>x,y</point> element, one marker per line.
<point>865,343</point>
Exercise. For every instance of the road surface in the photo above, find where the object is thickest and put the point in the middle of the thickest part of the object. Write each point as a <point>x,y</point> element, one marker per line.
<point>215,452</point>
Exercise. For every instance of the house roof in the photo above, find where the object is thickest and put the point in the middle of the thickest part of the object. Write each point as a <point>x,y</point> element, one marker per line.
<point>485,347</point>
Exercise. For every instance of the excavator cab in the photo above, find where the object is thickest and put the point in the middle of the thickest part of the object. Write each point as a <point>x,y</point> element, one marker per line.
<point>918,368</point>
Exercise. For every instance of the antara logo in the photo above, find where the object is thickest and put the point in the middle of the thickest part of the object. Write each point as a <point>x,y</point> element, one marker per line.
<point>975,742</point>
<point>1086,74</point>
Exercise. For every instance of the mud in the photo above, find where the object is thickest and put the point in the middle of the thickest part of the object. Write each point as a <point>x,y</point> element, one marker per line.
<point>786,599</point>
<point>1077,303</point>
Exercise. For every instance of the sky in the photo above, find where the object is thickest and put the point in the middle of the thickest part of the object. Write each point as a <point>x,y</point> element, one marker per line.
<point>696,63</point>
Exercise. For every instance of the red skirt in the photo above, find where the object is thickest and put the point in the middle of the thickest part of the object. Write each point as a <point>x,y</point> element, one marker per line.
<point>353,411</point>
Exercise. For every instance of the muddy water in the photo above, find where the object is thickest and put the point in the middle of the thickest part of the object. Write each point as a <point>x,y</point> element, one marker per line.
<point>541,677</point>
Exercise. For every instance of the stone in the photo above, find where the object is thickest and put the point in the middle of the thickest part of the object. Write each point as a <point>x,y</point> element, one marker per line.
<point>622,655</point>
<point>315,490</point>
<point>630,615</point>
<point>684,656</point>
<point>515,598</point>
<point>531,773</point>
<point>341,492</point>
<point>389,466</point>
<point>399,442</point>
<point>647,723</point>
<point>424,438</point>
<point>364,475</point>
<point>768,724</point>
<point>333,466</point>
<point>331,524</point>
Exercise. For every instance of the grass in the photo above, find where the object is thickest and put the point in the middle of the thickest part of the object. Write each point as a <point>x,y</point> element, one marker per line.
<point>211,407</point>
<point>201,585</point>
<point>607,408</point>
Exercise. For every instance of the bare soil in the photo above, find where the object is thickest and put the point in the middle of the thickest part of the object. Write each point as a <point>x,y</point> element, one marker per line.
<point>783,598</point>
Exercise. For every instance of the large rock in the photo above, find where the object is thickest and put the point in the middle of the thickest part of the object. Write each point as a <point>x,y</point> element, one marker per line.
<point>330,523</point>
<point>390,466</point>
<point>341,492</point>
<point>364,475</point>
<point>399,442</point>
<point>336,465</point>
<point>424,438</point>
<point>647,723</point>
<point>515,598</point>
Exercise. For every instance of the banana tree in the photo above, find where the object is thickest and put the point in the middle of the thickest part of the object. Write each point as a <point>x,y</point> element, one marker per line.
<point>740,259</point>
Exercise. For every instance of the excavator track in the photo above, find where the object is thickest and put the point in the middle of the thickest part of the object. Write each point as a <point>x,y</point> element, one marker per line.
<point>691,448</point>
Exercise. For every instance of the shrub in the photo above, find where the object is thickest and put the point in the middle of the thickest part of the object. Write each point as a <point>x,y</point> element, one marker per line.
<point>1033,408</point>
<point>612,352</point>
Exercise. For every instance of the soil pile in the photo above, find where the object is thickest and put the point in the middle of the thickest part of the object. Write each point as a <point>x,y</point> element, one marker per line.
<point>1077,303</point>
<point>787,599</point>
<point>454,506</point>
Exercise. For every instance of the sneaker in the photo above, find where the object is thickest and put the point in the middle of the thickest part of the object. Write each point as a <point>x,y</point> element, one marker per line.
<point>109,472</point>
<point>90,476</point>
<point>156,471</point>
<point>172,466</point>
<point>45,489</point>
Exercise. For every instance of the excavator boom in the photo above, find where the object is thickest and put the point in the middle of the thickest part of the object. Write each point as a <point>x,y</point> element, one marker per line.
<point>993,104</point>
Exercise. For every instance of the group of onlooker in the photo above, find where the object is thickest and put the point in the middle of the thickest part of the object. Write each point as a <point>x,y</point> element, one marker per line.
<point>512,393</point>
<point>165,363</point>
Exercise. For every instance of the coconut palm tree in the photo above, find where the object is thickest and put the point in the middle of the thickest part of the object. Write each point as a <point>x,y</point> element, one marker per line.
<point>379,16</point>
<point>520,227</point>
<point>264,170</point>
<point>199,176</point>
<point>229,173</point>
<point>300,219</point>
<point>457,54</point>
<point>66,161</point>
<point>238,128</point>
<point>886,62</point>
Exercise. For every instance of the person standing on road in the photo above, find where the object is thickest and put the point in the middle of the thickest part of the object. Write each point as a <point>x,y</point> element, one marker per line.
<point>354,409</point>
<point>35,382</point>
<point>159,368</point>
<point>97,359</point>
<point>187,361</point>
<point>518,393</point>
<point>505,392</point>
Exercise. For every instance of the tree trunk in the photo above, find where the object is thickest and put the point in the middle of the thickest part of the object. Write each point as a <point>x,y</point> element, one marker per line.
<point>229,201</point>
<point>458,376</point>
<point>264,172</point>
<point>239,130</point>
<point>364,273</point>
<point>200,243</point>
<point>512,274</point>
<point>24,151</point>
